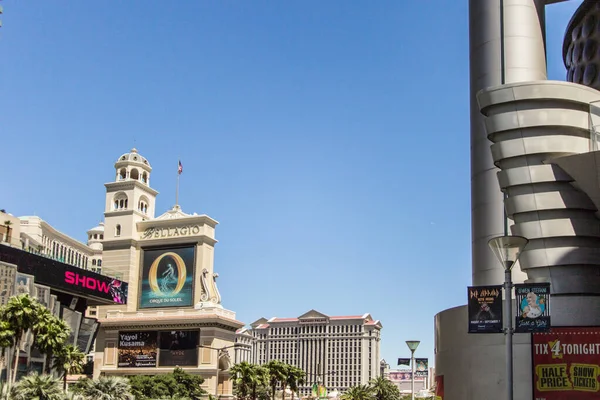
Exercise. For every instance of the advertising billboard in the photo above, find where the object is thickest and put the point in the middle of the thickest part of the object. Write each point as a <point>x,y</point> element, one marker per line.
<point>485,309</point>
<point>7,282</point>
<point>403,376</point>
<point>137,349</point>
<point>167,277</point>
<point>24,284</point>
<point>566,364</point>
<point>178,348</point>
<point>42,294</point>
<point>64,277</point>
<point>533,307</point>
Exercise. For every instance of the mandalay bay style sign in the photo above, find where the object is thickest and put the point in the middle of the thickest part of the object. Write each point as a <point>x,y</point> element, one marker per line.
<point>167,277</point>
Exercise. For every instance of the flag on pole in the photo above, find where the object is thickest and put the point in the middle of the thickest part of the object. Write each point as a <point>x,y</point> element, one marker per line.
<point>180,168</point>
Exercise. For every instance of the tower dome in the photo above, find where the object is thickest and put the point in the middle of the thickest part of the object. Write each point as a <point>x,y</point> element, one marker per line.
<point>133,157</point>
<point>133,166</point>
<point>96,236</point>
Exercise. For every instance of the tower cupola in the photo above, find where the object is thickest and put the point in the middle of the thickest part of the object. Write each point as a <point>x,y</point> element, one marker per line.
<point>133,166</point>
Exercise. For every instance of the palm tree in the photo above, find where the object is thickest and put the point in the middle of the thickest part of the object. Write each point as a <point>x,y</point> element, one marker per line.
<point>50,334</point>
<point>7,340</point>
<point>4,391</point>
<point>20,313</point>
<point>106,388</point>
<point>249,379</point>
<point>39,387</point>
<point>241,381</point>
<point>259,382</point>
<point>384,389</point>
<point>68,360</point>
<point>277,373</point>
<point>359,392</point>
<point>295,378</point>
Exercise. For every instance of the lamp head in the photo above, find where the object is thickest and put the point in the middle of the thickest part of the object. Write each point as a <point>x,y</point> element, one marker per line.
<point>507,249</point>
<point>412,345</point>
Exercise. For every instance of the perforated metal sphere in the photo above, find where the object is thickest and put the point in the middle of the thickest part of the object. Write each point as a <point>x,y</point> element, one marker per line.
<point>581,45</point>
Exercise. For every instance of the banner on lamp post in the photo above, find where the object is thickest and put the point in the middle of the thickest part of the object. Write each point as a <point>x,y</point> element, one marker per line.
<point>404,361</point>
<point>485,309</point>
<point>421,367</point>
<point>533,307</point>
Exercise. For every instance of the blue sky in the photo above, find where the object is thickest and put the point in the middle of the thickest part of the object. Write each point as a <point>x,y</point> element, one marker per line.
<point>329,139</point>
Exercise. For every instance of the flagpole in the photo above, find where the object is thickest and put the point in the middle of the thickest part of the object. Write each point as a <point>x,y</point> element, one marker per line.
<point>177,190</point>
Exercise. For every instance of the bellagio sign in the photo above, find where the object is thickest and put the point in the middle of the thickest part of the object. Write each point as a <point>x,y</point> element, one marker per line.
<point>159,233</point>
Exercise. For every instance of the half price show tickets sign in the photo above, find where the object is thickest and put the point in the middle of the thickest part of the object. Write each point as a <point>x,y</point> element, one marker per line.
<point>566,364</point>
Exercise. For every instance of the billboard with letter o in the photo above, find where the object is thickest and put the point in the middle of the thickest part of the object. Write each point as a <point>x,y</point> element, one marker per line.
<point>566,364</point>
<point>167,277</point>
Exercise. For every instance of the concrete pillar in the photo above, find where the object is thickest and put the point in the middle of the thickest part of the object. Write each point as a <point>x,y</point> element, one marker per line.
<point>525,60</point>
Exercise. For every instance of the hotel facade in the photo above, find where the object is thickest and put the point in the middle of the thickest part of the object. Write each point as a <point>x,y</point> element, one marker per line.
<point>339,351</point>
<point>173,317</point>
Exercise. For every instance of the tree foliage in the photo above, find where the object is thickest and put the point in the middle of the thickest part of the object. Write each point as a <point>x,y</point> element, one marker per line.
<point>384,389</point>
<point>255,382</point>
<point>178,384</point>
<point>68,360</point>
<point>24,314</point>
<point>278,373</point>
<point>37,387</point>
<point>359,392</point>
<point>20,312</point>
<point>250,381</point>
<point>105,388</point>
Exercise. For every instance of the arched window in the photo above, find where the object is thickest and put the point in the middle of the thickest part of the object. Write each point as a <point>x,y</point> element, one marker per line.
<point>120,201</point>
<point>90,238</point>
<point>122,173</point>
<point>101,236</point>
<point>95,236</point>
<point>99,263</point>
<point>143,204</point>
<point>134,174</point>
<point>145,177</point>
<point>118,230</point>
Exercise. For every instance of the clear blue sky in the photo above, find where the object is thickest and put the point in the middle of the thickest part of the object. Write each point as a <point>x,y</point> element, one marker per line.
<point>330,139</point>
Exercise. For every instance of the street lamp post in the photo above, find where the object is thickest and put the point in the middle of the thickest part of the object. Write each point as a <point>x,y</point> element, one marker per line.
<point>507,250</point>
<point>412,345</point>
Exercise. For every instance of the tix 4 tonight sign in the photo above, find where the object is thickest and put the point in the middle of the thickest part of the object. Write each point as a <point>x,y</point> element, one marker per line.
<point>566,364</point>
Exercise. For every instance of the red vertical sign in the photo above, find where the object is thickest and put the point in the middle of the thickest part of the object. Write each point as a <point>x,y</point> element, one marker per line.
<point>439,387</point>
<point>566,364</point>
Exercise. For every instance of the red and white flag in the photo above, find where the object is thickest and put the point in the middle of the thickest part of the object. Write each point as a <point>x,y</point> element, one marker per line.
<point>180,168</point>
